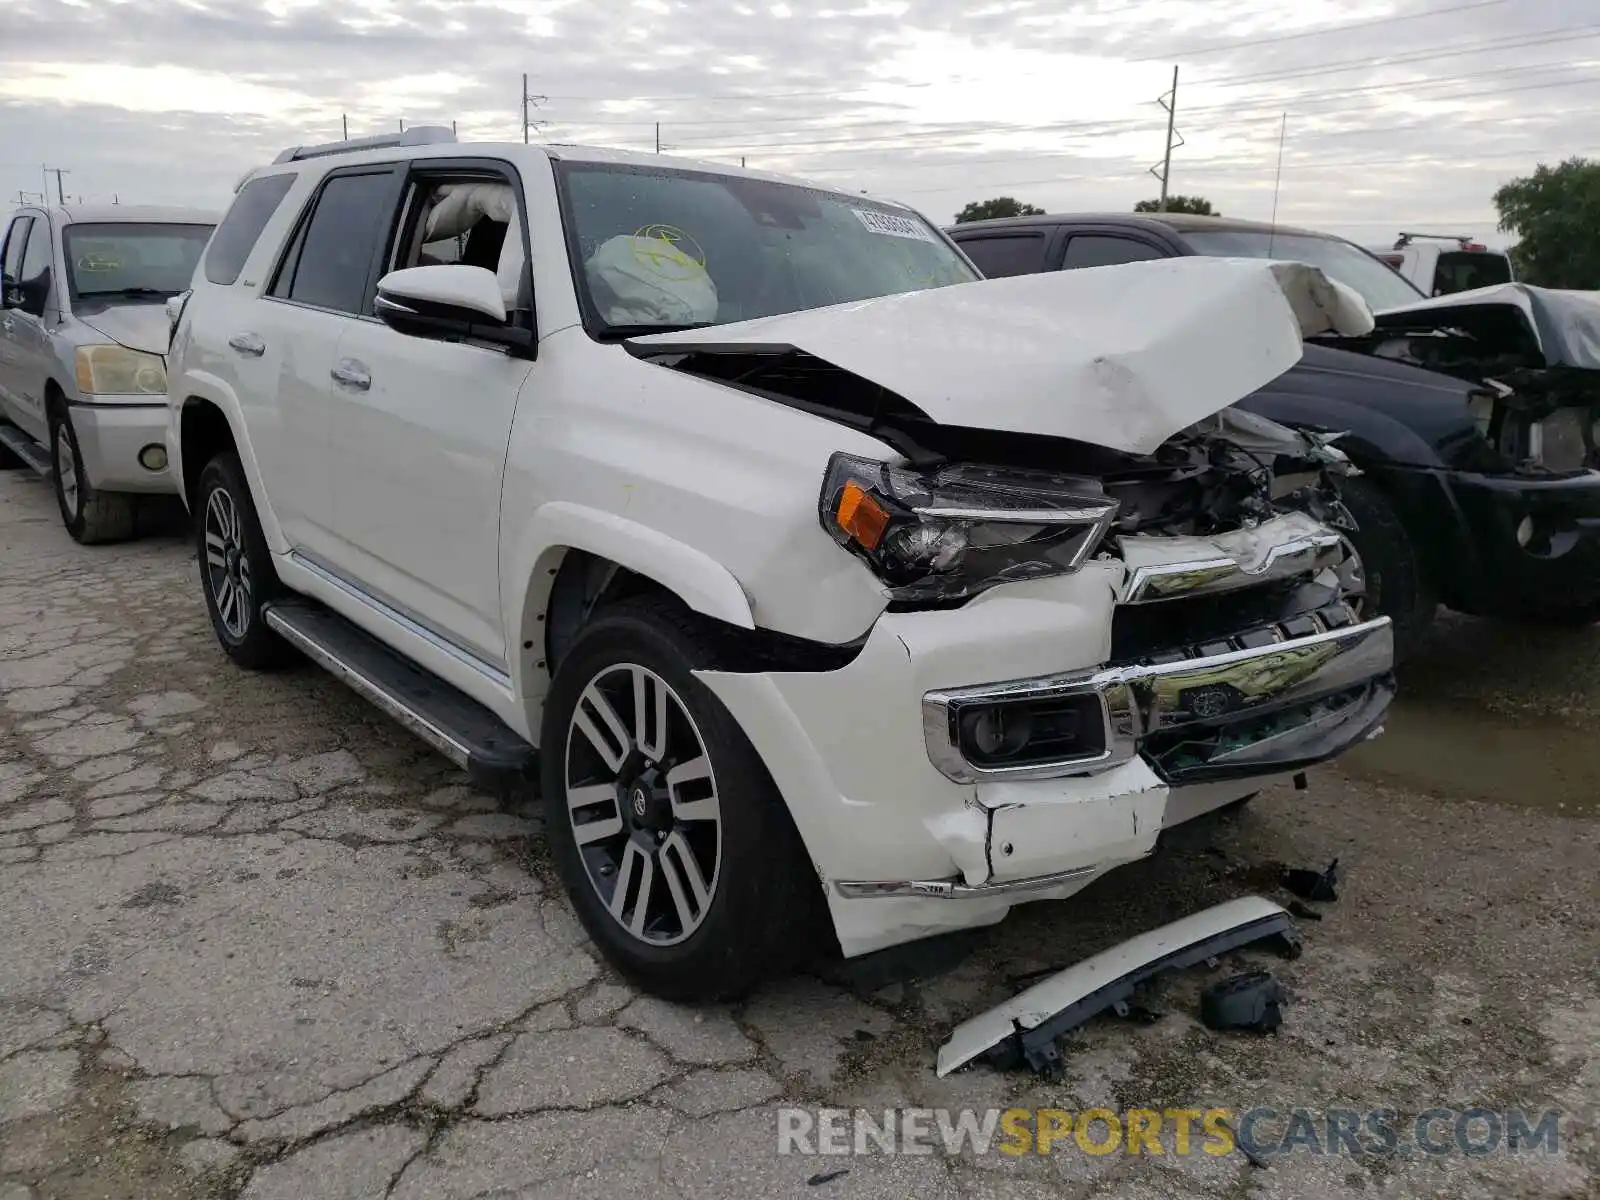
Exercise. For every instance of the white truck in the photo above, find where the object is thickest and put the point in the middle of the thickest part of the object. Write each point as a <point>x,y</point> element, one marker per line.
<point>807,574</point>
<point>1443,264</point>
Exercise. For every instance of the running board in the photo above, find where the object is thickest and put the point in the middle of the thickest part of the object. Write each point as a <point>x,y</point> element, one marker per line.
<point>25,448</point>
<point>450,721</point>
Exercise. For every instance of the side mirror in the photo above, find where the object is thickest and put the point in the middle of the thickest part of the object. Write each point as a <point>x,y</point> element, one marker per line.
<point>31,294</point>
<point>450,301</point>
<point>10,293</point>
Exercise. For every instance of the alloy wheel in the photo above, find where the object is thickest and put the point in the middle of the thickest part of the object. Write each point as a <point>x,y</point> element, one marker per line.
<point>227,567</point>
<point>67,469</point>
<point>643,804</point>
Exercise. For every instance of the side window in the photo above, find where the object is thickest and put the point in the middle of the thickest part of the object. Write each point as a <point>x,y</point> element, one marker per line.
<point>469,221</point>
<point>1002,254</point>
<point>252,208</point>
<point>37,256</point>
<point>331,265</point>
<point>16,239</point>
<point>1103,250</point>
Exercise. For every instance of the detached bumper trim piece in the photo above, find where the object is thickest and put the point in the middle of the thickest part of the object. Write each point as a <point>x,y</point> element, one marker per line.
<point>1141,700</point>
<point>1025,1028</point>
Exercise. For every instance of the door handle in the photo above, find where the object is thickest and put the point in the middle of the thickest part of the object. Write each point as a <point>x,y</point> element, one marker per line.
<point>248,344</point>
<point>8,325</point>
<point>351,374</point>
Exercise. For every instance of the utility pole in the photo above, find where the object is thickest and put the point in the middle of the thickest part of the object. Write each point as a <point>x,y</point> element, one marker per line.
<point>1174,139</point>
<point>527,103</point>
<point>658,137</point>
<point>58,172</point>
<point>344,119</point>
<point>402,124</point>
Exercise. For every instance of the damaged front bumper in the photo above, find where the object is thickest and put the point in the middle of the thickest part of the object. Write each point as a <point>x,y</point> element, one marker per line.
<point>1278,706</point>
<point>913,834</point>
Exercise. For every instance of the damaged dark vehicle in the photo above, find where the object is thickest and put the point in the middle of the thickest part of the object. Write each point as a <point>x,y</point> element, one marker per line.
<point>1471,417</point>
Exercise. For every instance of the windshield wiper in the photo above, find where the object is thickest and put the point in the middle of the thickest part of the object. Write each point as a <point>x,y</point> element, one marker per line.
<point>621,333</point>
<point>130,292</point>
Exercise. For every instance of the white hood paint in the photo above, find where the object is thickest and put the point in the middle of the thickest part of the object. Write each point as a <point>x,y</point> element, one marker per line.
<point>136,326</point>
<point>1563,324</point>
<point>1122,357</point>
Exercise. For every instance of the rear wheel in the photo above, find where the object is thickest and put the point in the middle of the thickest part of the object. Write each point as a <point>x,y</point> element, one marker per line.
<point>235,566</point>
<point>1384,577</point>
<point>90,515</point>
<point>670,835</point>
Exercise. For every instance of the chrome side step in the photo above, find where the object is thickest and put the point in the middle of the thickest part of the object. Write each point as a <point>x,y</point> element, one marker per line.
<point>25,448</point>
<point>454,724</point>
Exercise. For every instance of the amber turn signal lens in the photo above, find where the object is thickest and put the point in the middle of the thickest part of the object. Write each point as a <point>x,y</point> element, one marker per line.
<point>862,517</point>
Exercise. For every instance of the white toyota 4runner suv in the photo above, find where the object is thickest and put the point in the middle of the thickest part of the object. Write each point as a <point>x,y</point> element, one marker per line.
<point>805,571</point>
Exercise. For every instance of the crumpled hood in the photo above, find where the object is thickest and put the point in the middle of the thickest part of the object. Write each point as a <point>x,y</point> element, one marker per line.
<point>1121,357</point>
<point>136,326</point>
<point>1547,327</point>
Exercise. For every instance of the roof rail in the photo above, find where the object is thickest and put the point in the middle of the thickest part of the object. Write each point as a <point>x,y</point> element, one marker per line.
<point>417,135</point>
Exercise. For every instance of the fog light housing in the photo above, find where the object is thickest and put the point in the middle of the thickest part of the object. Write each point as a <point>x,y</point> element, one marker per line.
<point>1015,735</point>
<point>153,457</point>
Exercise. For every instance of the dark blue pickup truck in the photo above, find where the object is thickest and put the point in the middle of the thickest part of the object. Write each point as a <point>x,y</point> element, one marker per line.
<point>1474,419</point>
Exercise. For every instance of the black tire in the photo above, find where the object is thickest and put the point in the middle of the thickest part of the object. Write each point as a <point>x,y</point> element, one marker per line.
<point>91,516</point>
<point>1397,587</point>
<point>244,559</point>
<point>764,896</point>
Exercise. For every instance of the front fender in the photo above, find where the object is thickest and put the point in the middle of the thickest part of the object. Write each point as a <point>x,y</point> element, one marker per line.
<point>697,579</point>
<point>206,388</point>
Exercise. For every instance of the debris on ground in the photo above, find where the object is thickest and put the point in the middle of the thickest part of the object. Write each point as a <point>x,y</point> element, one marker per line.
<point>1253,1000</point>
<point>1320,886</point>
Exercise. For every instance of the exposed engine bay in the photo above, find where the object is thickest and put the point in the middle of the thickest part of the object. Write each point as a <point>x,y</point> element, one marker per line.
<point>1535,354</point>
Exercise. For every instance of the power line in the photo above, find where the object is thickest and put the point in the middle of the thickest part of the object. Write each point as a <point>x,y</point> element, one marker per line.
<point>1203,172</point>
<point>1485,46</point>
<point>1168,55</point>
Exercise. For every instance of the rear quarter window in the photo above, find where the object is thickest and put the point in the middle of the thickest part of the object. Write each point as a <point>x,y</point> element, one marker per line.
<point>252,208</point>
<point>1464,270</point>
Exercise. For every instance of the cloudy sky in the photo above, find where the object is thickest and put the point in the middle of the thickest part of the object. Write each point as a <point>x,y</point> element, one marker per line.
<point>1401,113</point>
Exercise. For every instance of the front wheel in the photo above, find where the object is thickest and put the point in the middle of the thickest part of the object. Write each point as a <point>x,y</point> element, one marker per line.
<point>90,515</point>
<point>235,566</point>
<point>1384,577</point>
<point>674,843</point>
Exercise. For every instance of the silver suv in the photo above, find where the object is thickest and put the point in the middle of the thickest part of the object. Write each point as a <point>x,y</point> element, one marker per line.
<point>83,342</point>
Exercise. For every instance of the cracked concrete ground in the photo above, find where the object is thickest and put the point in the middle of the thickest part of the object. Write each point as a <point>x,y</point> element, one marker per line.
<point>258,942</point>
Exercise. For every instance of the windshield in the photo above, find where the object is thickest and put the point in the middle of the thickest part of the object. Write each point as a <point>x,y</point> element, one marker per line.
<point>669,249</point>
<point>1344,261</point>
<point>135,260</point>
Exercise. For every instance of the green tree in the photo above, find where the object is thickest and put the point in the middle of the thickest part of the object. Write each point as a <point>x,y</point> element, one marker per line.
<point>1000,206</point>
<point>1198,205</point>
<point>1555,213</point>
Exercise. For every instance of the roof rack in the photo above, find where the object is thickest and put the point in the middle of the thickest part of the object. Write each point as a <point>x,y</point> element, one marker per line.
<point>417,135</point>
<point>1407,238</point>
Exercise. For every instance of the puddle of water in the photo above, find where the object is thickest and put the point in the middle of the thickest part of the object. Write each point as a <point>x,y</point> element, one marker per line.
<point>1462,753</point>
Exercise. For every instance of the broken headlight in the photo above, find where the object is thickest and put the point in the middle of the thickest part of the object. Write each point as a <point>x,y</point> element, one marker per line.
<point>1561,442</point>
<point>954,531</point>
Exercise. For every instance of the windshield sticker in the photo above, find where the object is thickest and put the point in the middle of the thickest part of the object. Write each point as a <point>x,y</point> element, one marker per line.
<point>99,260</point>
<point>892,225</point>
<point>668,252</point>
